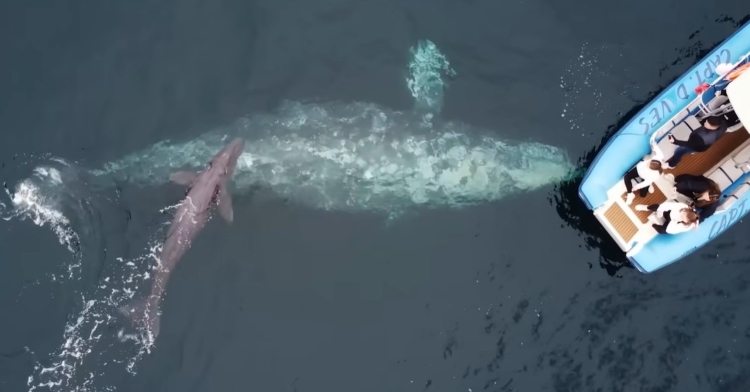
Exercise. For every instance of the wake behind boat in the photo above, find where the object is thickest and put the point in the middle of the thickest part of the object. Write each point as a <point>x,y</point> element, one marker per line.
<point>717,87</point>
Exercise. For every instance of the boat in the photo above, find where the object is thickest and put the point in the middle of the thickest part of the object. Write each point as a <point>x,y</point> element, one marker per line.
<point>719,84</point>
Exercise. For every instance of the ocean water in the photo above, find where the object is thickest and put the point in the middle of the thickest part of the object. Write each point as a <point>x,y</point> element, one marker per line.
<point>406,210</point>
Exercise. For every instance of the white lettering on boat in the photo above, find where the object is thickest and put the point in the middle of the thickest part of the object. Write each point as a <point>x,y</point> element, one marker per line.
<point>679,97</point>
<point>727,219</point>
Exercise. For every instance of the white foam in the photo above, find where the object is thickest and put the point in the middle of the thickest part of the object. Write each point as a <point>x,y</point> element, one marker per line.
<point>82,356</point>
<point>29,202</point>
<point>583,99</point>
<point>51,191</point>
<point>38,199</point>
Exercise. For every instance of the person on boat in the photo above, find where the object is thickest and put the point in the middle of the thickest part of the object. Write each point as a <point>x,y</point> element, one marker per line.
<point>678,217</point>
<point>648,170</point>
<point>703,191</point>
<point>700,139</point>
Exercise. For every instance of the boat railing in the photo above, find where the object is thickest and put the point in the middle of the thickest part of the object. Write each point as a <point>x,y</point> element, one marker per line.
<point>714,90</point>
<point>704,107</point>
<point>714,105</point>
<point>722,78</point>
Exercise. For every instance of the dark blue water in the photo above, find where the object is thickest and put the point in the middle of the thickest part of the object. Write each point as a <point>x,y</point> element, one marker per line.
<point>523,292</point>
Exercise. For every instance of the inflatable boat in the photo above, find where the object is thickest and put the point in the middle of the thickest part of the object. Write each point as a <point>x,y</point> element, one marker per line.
<point>718,85</point>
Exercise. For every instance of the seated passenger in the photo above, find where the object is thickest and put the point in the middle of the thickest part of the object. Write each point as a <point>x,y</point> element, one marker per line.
<point>648,170</point>
<point>703,192</point>
<point>700,139</point>
<point>678,217</point>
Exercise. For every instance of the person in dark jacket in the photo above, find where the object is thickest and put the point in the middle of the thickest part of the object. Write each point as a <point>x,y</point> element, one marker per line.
<point>700,139</point>
<point>703,191</point>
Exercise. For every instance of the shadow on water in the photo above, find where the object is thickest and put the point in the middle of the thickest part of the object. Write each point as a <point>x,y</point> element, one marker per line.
<point>572,210</point>
<point>569,205</point>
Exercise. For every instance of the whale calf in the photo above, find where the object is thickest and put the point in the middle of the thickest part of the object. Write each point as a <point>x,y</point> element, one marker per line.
<point>205,189</point>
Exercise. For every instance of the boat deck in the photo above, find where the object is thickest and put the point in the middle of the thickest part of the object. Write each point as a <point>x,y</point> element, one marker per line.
<point>695,164</point>
<point>625,223</point>
<point>621,222</point>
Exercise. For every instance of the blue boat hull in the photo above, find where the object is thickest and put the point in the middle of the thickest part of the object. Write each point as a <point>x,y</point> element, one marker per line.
<point>631,143</point>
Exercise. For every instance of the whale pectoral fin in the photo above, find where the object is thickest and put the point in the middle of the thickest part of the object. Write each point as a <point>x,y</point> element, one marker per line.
<point>224,203</point>
<point>183,177</point>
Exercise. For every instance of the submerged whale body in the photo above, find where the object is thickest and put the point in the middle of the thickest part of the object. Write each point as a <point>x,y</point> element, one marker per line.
<point>359,156</point>
<point>363,157</point>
